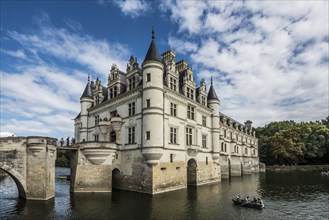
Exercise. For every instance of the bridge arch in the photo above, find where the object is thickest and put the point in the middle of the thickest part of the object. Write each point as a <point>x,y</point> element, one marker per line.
<point>18,179</point>
<point>116,178</point>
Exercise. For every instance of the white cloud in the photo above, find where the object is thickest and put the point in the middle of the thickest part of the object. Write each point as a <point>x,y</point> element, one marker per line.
<point>40,96</point>
<point>269,62</point>
<point>133,8</point>
<point>181,46</point>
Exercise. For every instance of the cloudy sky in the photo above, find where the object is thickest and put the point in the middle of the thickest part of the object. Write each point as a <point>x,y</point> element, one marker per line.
<point>269,59</point>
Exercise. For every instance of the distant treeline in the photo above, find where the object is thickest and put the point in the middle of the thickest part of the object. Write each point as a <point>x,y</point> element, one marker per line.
<point>288,142</point>
<point>63,158</point>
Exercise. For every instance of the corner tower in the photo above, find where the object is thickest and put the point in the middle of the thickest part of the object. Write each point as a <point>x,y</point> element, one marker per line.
<point>152,105</point>
<point>213,104</point>
<point>86,101</point>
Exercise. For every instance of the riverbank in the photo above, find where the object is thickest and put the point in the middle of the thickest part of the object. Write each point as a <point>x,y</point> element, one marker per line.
<point>298,168</point>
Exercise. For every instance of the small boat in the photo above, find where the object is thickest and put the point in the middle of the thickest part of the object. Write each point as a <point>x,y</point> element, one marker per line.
<point>244,203</point>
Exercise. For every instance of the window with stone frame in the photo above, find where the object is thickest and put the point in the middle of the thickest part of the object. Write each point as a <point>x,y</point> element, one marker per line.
<point>96,137</point>
<point>148,135</point>
<point>148,77</point>
<point>246,151</point>
<point>148,103</point>
<point>115,91</point>
<point>172,83</point>
<point>111,93</point>
<point>190,112</point>
<point>222,147</point>
<point>203,100</point>
<point>131,135</point>
<point>192,94</point>
<point>96,120</point>
<point>132,83</point>
<point>204,121</point>
<point>204,141</point>
<point>97,99</point>
<point>189,136</point>
<point>173,135</point>
<point>188,92</point>
<point>173,109</point>
<point>131,108</point>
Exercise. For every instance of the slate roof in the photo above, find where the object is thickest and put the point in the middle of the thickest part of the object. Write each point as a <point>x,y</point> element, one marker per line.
<point>212,93</point>
<point>152,53</point>
<point>87,93</point>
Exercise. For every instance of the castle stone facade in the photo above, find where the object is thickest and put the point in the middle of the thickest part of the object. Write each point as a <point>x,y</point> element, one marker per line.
<point>151,129</point>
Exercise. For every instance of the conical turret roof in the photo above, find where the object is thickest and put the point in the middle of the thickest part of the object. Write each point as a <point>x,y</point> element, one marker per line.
<point>87,93</point>
<point>212,93</point>
<point>152,53</point>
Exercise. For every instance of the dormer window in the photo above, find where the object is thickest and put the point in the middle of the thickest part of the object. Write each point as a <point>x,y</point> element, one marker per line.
<point>172,83</point>
<point>97,99</point>
<point>131,83</point>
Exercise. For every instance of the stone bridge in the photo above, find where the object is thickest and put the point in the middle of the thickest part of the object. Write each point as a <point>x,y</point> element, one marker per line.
<point>30,161</point>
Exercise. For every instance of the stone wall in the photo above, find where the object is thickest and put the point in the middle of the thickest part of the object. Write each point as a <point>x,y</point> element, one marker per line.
<point>169,176</point>
<point>208,173</point>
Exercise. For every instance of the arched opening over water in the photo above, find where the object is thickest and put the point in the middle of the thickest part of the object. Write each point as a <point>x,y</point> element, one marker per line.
<point>116,176</point>
<point>19,185</point>
<point>191,173</point>
<point>229,167</point>
<point>113,137</point>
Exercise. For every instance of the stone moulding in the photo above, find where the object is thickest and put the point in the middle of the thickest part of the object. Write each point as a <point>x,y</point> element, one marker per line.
<point>152,155</point>
<point>97,156</point>
<point>35,150</point>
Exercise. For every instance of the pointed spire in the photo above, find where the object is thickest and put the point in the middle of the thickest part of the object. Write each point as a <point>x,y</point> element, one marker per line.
<point>153,33</point>
<point>152,53</point>
<point>87,93</point>
<point>212,93</point>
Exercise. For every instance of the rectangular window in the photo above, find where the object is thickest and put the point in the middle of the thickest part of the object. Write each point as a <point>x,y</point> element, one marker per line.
<point>206,160</point>
<point>204,121</point>
<point>224,133</point>
<point>204,141</point>
<point>115,92</point>
<point>111,93</point>
<point>148,135</point>
<point>190,112</point>
<point>96,137</point>
<point>192,94</point>
<point>148,77</point>
<point>96,120</point>
<point>97,99</point>
<point>188,136</point>
<point>246,151</point>
<point>131,108</point>
<point>132,83</point>
<point>188,92</point>
<point>203,100</point>
<point>131,135</point>
<point>174,84</point>
<point>173,109</point>
<point>148,103</point>
<point>173,135</point>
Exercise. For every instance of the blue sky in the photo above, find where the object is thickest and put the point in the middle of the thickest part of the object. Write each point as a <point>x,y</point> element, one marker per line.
<point>269,59</point>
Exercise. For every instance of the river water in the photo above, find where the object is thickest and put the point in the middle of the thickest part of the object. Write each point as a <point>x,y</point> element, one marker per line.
<point>287,195</point>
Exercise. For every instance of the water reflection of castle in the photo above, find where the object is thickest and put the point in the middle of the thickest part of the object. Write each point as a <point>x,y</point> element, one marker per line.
<point>152,129</point>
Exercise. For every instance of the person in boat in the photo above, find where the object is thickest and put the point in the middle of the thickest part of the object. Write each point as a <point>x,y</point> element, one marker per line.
<point>238,197</point>
<point>255,200</point>
<point>259,201</point>
<point>246,200</point>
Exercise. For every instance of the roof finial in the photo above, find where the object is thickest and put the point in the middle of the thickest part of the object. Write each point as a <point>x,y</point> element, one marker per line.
<point>152,33</point>
<point>211,80</point>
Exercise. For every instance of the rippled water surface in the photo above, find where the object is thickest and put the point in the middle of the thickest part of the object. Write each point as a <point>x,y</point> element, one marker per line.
<point>288,195</point>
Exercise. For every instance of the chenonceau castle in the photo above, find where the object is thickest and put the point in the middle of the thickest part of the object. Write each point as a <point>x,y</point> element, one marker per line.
<point>151,129</point>
<point>148,130</point>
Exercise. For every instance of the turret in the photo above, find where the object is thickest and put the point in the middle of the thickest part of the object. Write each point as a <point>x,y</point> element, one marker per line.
<point>213,104</point>
<point>86,101</point>
<point>152,124</point>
